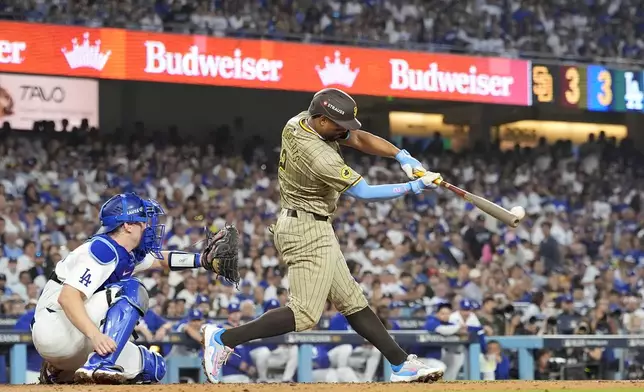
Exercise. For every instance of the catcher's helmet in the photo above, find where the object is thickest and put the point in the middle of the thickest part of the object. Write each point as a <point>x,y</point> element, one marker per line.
<point>337,106</point>
<point>130,208</point>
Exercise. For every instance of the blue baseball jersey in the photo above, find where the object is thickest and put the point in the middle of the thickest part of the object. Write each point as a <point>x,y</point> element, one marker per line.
<point>321,357</point>
<point>340,323</point>
<point>502,371</point>
<point>431,323</point>
<point>235,360</point>
<point>153,321</point>
<point>34,361</point>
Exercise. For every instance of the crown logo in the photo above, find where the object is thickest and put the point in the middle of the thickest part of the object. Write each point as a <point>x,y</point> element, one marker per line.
<point>86,55</point>
<point>337,72</point>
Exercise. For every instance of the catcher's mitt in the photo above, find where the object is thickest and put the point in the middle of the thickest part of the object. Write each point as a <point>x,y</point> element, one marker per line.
<point>221,253</point>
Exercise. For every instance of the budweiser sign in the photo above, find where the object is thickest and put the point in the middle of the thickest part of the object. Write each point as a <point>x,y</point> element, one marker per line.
<point>434,80</point>
<point>165,58</point>
<point>195,63</point>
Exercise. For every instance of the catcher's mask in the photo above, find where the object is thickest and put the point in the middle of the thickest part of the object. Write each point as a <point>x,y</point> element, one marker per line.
<point>130,208</point>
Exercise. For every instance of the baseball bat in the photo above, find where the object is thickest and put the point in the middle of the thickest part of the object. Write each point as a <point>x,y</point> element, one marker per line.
<point>492,209</point>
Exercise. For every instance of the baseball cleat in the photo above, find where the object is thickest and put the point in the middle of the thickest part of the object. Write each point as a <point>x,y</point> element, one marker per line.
<point>413,370</point>
<point>107,375</point>
<point>215,354</point>
<point>49,374</point>
<point>84,375</point>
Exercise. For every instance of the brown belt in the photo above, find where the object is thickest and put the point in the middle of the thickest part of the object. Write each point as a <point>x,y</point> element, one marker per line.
<point>317,217</point>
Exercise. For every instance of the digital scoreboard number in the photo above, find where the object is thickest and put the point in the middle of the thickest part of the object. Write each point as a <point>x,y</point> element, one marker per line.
<point>559,85</point>
<point>601,97</point>
<point>573,87</point>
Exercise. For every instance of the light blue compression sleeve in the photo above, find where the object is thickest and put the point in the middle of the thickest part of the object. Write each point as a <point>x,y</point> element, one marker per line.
<point>364,191</point>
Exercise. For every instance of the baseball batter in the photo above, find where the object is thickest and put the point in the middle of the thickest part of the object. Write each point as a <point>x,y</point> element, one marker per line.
<point>312,175</point>
<point>91,304</point>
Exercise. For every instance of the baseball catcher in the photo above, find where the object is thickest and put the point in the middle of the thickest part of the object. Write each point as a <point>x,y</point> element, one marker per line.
<point>92,302</point>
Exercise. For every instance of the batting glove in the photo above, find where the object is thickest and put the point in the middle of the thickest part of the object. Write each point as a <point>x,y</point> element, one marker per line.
<point>410,165</point>
<point>429,180</point>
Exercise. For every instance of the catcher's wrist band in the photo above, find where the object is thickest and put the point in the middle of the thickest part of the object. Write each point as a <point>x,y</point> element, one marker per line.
<point>181,260</point>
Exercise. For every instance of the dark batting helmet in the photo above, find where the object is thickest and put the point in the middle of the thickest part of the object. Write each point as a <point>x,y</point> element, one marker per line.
<point>337,106</point>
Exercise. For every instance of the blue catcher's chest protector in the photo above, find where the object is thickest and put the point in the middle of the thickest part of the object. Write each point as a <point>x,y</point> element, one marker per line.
<point>105,250</point>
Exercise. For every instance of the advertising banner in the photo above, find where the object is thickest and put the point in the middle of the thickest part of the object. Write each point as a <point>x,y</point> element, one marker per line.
<point>260,64</point>
<point>25,99</point>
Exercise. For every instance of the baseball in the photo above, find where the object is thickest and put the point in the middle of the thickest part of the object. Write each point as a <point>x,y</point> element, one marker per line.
<point>518,211</point>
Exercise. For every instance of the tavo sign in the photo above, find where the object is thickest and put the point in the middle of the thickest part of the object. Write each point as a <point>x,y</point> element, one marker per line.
<point>25,99</point>
<point>134,55</point>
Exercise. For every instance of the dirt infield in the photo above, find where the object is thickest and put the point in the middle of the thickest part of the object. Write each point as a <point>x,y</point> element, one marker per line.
<point>489,386</point>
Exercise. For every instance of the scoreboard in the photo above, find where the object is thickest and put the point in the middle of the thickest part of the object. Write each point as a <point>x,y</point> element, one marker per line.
<point>559,85</point>
<point>595,87</point>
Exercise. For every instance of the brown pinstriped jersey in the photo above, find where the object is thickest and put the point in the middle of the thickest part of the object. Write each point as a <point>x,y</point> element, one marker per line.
<point>312,173</point>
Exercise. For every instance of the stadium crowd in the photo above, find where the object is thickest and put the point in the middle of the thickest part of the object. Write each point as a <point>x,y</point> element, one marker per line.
<point>575,265</point>
<point>587,29</point>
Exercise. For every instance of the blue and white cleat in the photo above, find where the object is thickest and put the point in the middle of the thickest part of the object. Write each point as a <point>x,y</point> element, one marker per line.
<point>215,354</point>
<point>413,370</point>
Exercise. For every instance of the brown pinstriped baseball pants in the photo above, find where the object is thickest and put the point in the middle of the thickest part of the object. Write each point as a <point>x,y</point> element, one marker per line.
<point>317,270</point>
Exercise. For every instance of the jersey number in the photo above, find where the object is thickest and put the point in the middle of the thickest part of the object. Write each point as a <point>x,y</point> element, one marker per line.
<point>86,278</point>
<point>283,159</point>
